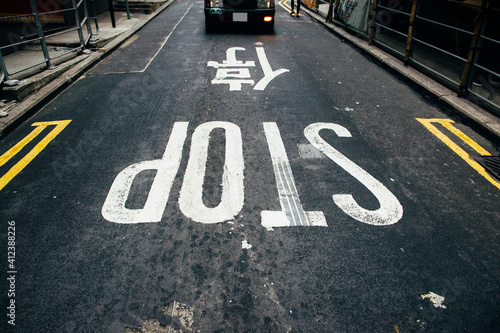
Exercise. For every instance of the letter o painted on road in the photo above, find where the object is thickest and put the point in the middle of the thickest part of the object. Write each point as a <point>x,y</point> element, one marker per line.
<point>191,195</point>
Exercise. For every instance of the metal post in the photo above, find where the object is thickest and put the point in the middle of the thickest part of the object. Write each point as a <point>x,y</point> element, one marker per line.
<point>78,22</point>
<point>86,13</point>
<point>112,13</point>
<point>128,10</point>
<point>39,29</point>
<point>466,76</point>
<point>411,31</point>
<point>3,69</point>
<point>372,26</point>
<point>330,11</point>
<point>94,16</point>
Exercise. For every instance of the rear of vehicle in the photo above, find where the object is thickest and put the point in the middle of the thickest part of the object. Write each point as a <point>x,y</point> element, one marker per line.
<point>250,12</point>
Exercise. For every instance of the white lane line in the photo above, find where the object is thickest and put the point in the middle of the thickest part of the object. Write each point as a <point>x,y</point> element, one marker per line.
<point>164,42</point>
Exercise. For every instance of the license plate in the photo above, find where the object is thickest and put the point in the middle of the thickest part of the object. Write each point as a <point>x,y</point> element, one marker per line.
<point>240,17</point>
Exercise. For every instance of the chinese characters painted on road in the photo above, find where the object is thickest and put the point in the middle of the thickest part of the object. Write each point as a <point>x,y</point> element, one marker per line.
<point>235,72</point>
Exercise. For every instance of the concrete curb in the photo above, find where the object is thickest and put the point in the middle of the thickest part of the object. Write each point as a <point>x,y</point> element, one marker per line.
<point>73,70</point>
<point>463,107</point>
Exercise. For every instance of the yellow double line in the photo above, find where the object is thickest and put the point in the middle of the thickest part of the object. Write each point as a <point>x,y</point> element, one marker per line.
<point>285,5</point>
<point>447,123</point>
<point>19,166</point>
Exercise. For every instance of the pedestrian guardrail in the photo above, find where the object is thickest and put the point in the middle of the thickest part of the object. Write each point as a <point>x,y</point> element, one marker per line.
<point>455,42</point>
<point>37,21</point>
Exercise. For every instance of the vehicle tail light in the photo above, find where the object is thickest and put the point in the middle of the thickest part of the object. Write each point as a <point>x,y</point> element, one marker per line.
<point>216,3</point>
<point>265,3</point>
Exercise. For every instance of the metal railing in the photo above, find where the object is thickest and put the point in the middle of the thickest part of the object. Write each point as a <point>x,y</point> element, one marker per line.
<point>455,42</point>
<point>78,8</point>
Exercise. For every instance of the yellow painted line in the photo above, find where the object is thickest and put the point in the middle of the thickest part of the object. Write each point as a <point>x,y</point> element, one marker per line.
<point>447,123</point>
<point>285,5</point>
<point>19,166</point>
<point>20,145</point>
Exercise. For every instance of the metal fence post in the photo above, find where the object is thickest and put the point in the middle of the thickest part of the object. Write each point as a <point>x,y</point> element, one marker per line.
<point>87,18</point>
<point>3,68</point>
<point>38,23</point>
<point>372,26</point>
<point>112,13</point>
<point>466,75</point>
<point>92,15</point>
<point>411,31</point>
<point>329,15</point>
<point>128,9</point>
<point>79,23</point>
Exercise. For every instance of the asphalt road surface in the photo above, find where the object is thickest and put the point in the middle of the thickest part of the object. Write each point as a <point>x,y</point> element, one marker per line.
<point>241,181</point>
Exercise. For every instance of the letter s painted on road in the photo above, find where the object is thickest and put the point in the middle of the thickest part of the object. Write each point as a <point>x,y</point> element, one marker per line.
<point>390,210</point>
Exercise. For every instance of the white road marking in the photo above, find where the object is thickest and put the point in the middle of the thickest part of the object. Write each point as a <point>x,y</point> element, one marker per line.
<point>165,41</point>
<point>114,209</point>
<point>390,210</point>
<point>292,213</point>
<point>269,74</point>
<point>232,199</point>
<point>239,74</point>
<point>231,60</point>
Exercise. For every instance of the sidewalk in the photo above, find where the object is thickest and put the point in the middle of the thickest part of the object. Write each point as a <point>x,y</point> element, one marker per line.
<point>37,86</point>
<point>34,91</point>
<point>31,54</point>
